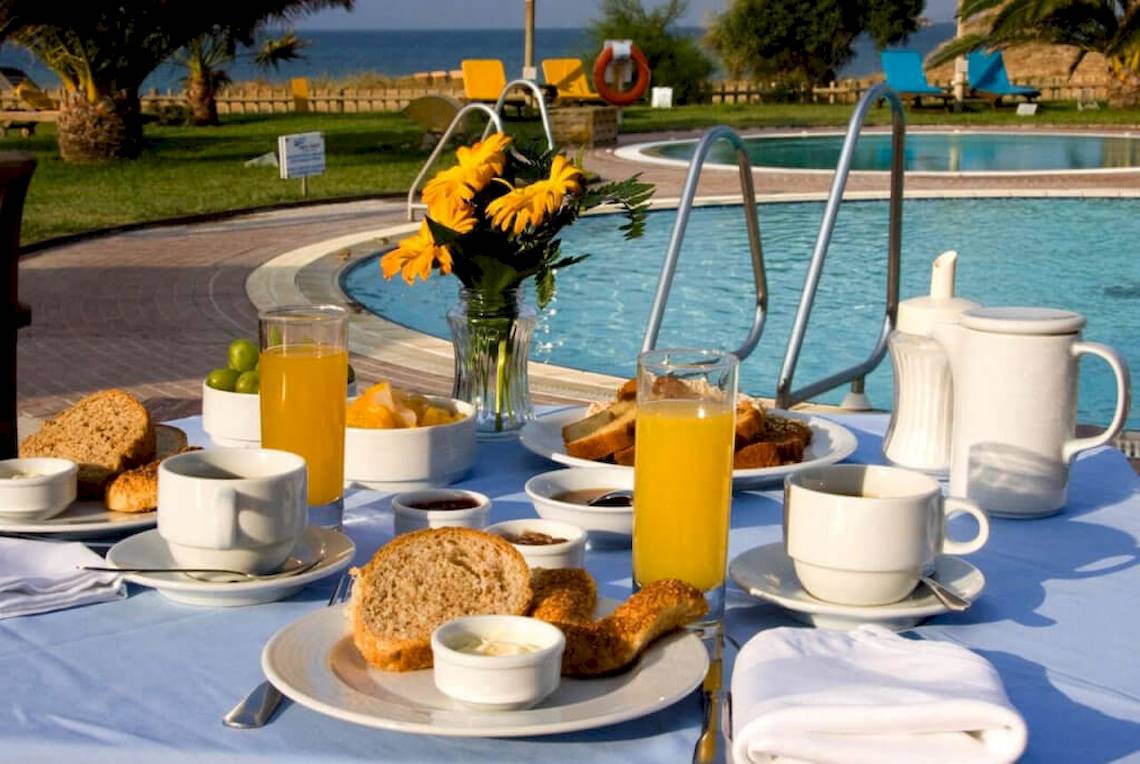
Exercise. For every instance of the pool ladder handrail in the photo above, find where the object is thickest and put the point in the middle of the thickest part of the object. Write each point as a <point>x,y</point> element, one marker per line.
<point>786,397</point>
<point>684,209</point>
<point>495,120</point>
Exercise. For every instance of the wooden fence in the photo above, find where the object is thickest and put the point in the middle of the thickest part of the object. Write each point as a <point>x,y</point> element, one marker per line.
<point>298,96</point>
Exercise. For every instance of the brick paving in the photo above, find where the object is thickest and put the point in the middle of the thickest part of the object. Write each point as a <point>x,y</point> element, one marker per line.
<point>153,310</point>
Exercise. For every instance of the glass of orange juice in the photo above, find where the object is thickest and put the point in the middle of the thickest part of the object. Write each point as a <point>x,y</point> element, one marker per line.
<point>682,492</point>
<point>304,383</point>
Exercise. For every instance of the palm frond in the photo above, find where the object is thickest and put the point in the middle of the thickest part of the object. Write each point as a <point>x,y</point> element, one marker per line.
<point>287,47</point>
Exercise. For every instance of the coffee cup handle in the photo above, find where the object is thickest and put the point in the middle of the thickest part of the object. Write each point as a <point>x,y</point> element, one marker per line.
<point>953,506</point>
<point>225,519</point>
<point>1074,446</point>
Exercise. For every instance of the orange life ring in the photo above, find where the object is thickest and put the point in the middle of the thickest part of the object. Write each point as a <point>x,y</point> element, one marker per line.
<point>616,97</point>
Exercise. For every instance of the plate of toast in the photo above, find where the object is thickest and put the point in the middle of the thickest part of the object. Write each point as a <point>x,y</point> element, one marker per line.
<point>117,448</point>
<point>769,443</point>
<point>370,661</point>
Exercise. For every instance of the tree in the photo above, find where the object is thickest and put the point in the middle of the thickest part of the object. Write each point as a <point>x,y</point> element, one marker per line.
<point>1108,27</point>
<point>102,51</point>
<point>205,55</point>
<point>675,59</point>
<point>805,41</point>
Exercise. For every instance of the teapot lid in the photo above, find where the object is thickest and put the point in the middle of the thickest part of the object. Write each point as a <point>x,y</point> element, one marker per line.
<point>1023,320</point>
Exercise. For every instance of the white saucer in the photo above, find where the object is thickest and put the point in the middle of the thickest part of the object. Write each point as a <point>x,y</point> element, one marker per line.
<point>766,573</point>
<point>149,550</point>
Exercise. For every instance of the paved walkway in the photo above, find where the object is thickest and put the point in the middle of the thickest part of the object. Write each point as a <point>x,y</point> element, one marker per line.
<point>152,311</point>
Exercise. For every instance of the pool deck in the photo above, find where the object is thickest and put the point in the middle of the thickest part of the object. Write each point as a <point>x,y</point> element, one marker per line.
<point>153,310</point>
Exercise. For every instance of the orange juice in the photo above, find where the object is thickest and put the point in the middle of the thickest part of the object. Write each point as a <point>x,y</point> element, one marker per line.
<point>682,491</point>
<point>303,410</point>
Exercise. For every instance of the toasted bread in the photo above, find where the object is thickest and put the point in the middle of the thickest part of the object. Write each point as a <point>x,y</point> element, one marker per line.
<point>749,424</point>
<point>104,433</point>
<point>420,580</point>
<point>628,390</point>
<point>608,438</point>
<point>626,456</point>
<point>610,644</point>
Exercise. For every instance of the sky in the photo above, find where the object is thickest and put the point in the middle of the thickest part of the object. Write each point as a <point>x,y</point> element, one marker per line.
<point>503,14</point>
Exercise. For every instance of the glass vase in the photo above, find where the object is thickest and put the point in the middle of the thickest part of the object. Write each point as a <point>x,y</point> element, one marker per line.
<point>491,335</point>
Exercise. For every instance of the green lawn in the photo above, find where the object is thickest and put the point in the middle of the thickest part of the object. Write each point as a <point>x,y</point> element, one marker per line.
<point>187,170</point>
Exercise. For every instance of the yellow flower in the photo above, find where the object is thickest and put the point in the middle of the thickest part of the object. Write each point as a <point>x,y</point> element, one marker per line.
<point>416,256</point>
<point>530,205</point>
<point>453,213</point>
<point>478,164</point>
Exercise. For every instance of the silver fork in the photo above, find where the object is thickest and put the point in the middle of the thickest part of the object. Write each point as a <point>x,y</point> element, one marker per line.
<point>256,709</point>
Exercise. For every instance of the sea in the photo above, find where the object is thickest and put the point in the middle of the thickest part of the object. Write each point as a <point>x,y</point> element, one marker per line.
<point>333,55</point>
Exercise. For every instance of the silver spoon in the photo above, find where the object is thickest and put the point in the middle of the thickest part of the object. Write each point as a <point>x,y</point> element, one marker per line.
<point>621,497</point>
<point>946,596</point>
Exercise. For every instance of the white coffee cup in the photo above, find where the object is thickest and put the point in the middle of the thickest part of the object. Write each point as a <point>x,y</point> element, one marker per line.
<point>412,511</point>
<point>862,535</point>
<point>233,508</point>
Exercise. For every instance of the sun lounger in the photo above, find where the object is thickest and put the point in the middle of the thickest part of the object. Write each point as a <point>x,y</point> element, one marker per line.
<point>903,69</point>
<point>988,78</point>
<point>568,77</point>
<point>483,81</point>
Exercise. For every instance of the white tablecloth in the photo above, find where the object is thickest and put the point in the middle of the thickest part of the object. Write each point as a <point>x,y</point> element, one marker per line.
<point>147,679</point>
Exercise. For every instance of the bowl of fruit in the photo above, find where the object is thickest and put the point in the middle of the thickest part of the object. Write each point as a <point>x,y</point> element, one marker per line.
<point>396,440</point>
<point>231,407</point>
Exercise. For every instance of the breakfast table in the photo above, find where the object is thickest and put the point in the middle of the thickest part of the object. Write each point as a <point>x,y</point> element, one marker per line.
<point>147,679</point>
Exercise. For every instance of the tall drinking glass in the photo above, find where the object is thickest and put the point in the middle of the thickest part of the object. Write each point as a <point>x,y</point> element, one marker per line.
<point>304,378</point>
<point>682,493</point>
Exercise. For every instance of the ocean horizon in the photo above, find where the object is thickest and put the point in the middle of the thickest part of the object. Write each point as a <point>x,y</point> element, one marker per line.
<point>339,54</point>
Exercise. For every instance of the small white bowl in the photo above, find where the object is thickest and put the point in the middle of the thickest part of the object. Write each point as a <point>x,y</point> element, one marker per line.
<point>571,553</point>
<point>498,682</point>
<point>408,517</point>
<point>48,488</point>
<point>232,420</point>
<point>604,524</point>
<point>407,459</point>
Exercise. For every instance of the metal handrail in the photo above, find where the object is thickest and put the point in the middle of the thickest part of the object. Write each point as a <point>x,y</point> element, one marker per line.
<point>785,395</point>
<point>495,119</point>
<point>538,97</point>
<point>751,221</point>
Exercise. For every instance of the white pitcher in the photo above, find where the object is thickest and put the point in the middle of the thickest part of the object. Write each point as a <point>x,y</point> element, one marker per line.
<point>1015,400</point>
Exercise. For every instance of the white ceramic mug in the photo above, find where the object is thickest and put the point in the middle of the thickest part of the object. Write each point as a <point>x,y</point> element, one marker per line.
<point>408,513</point>
<point>233,508</point>
<point>862,534</point>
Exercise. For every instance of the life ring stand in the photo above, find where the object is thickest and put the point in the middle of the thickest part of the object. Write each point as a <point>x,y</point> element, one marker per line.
<point>621,97</point>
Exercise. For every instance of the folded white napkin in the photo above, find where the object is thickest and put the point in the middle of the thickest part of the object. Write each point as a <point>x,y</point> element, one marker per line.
<point>868,696</point>
<point>40,576</point>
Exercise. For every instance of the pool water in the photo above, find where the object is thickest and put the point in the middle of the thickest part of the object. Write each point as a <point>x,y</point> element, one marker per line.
<point>1078,254</point>
<point>930,152</point>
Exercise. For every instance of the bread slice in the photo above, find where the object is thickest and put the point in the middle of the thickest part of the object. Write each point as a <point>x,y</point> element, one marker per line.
<point>104,433</point>
<point>420,580</point>
<point>626,456</point>
<point>628,390</point>
<point>604,441</point>
<point>587,426</point>
<point>749,424</point>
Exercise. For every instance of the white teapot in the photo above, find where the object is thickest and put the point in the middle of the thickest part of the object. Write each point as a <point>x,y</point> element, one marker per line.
<point>1015,400</point>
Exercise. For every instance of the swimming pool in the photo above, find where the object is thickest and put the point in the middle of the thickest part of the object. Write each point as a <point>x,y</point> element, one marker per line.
<point>976,152</point>
<point>1080,254</point>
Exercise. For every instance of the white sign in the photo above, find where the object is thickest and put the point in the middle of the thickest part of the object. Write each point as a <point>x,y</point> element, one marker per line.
<point>1026,109</point>
<point>301,155</point>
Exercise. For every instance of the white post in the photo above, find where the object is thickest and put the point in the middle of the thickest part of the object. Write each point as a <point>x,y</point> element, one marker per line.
<point>959,65</point>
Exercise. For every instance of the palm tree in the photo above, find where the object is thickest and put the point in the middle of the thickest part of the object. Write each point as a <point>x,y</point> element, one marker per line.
<point>204,57</point>
<point>102,51</point>
<point>1108,27</point>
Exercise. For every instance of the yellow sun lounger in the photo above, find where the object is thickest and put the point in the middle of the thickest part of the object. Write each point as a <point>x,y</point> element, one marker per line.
<point>569,76</point>
<point>483,79</point>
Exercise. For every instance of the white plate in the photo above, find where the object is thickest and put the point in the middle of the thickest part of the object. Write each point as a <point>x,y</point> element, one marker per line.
<point>149,550</point>
<point>831,442</point>
<point>314,662</point>
<point>86,519</point>
<point>766,572</point>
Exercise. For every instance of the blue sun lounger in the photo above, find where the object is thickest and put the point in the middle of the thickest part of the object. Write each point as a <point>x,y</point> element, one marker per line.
<point>903,69</point>
<point>988,78</point>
